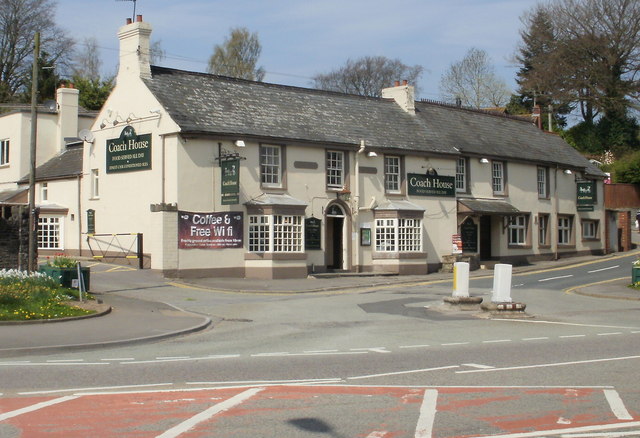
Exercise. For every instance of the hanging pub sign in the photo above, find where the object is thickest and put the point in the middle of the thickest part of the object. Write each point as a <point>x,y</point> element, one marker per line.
<point>230,184</point>
<point>586,195</point>
<point>210,230</point>
<point>129,152</point>
<point>431,185</point>
<point>91,221</point>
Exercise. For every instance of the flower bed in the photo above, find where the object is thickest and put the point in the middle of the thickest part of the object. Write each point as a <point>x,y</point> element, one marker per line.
<point>25,296</point>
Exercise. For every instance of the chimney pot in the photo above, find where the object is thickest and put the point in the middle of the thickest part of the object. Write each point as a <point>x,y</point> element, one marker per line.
<point>404,82</point>
<point>396,83</point>
<point>129,21</point>
<point>139,18</point>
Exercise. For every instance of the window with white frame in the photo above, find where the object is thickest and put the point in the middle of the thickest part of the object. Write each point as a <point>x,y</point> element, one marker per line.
<point>565,224</point>
<point>398,235</point>
<point>95,183</point>
<point>259,233</point>
<point>4,152</point>
<point>543,190</point>
<point>497,177</point>
<point>409,235</point>
<point>543,230</point>
<point>271,165</point>
<point>276,233</point>
<point>335,169</point>
<point>589,229</point>
<point>49,232</point>
<point>461,175</point>
<point>518,230</point>
<point>44,191</point>
<point>392,174</point>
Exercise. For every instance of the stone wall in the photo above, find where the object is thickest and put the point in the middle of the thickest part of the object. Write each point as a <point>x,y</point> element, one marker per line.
<point>14,237</point>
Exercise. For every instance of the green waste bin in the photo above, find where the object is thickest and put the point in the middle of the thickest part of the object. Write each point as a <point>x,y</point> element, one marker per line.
<point>68,277</point>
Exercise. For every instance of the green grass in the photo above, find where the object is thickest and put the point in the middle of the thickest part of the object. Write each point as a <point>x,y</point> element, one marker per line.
<point>25,297</point>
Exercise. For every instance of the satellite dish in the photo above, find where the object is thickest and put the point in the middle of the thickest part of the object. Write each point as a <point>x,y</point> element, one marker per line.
<point>86,135</point>
<point>51,105</point>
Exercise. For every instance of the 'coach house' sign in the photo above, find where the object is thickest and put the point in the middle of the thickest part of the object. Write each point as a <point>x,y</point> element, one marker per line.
<point>431,185</point>
<point>129,152</point>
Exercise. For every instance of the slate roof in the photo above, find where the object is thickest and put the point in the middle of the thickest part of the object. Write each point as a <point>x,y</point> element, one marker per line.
<point>486,206</point>
<point>67,164</point>
<point>209,104</point>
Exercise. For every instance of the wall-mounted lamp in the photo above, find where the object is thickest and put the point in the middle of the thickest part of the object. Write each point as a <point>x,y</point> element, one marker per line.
<point>567,172</point>
<point>371,154</point>
<point>155,111</point>
<point>484,161</point>
<point>239,143</point>
<point>103,124</point>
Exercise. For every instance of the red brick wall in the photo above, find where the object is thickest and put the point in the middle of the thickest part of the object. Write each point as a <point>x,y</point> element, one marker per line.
<point>624,224</point>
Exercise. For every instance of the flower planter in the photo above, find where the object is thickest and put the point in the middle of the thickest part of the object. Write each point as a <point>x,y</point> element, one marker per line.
<point>68,277</point>
<point>635,274</point>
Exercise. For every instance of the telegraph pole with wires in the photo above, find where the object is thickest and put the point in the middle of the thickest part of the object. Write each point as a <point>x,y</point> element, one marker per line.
<point>33,226</point>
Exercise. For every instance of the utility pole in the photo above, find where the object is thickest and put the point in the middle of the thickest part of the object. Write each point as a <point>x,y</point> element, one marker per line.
<point>33,226</point>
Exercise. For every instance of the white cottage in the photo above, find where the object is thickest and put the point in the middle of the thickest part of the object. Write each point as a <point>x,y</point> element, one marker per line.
<point>228,177</point>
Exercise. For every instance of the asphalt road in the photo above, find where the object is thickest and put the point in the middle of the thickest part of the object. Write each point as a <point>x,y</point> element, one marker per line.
<point>385,362</point>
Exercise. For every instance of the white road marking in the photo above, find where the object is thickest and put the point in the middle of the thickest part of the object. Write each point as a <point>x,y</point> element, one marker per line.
<point>609,334</point>
<point>518,285</point>
<point>566,431</point>
<point>454,343</point>
<point>172,357</point>
<point>562,323</point>
<point>496,341</point>
<point>397,373</point>
<point>372,349</point>
<point>617,406</point>
<point>546,365</point>
<point>541,338</point>
<point>321,351</point>
<point>337,353</point>
<point>54,364</point>
<point>189,424</point>
<point>424,428</point>
<point>65,360</point>
<point>475,365</point>
<point>555,278</point>
<point>604,269</point>
<point>573,336</point>
<point>119,359</point>
<point>36,407</point>
<point>221,356</point>
<point>268,382</point>
<point>54,391</point>
<point>414,346</point>
<point>602,434</point>
<point>377,434</point>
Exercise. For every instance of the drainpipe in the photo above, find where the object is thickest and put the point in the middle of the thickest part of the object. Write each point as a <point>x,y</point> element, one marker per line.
<point>554,217</point>
<point>357,205</point>
<point>80,215</point>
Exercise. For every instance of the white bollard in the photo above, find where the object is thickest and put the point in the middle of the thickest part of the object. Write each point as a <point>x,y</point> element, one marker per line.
<point>460,279</point>
<point>501,284</point>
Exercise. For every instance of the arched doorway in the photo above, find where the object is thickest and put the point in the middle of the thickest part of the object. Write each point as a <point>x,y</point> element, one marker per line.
<point>336,255</point>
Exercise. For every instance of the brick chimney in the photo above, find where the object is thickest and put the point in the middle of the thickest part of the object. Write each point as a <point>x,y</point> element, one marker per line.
<point>403,94</point>
<point>67,100</point>
<point>537,116</point>
<point>135,49</point>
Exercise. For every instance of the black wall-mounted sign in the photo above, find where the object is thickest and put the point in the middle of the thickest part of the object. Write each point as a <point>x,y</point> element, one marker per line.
<point>469,235</point>
<point>312,233</point>
<point>586,193</point>
<point>91,221</point>
<point>129,152</point>
<point>431,185</point>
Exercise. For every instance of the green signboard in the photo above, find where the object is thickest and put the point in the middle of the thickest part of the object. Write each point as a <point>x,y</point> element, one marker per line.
<point>230,184</point>
<point>129,152</point>
<point>586,193</point>
<point>431,185</point>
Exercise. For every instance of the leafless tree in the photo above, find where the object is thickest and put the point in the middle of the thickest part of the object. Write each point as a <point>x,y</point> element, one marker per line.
<point>238,56</point>
<point>87,62</point>
<point>592,54</point>
<point>367,76</point>
<point>19,22</point>
<point>157,52</point>
<point>474,82</point>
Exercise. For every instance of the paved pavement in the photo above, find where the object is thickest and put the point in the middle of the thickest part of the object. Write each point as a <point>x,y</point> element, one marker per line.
<point>133,320</point>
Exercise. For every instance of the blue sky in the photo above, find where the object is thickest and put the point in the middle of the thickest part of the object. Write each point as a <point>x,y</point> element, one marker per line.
<point>301,38</point>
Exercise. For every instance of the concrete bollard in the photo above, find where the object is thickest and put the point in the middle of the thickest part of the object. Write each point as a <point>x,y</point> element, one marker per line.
<point>501,292</point>
<point>460,279</point>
